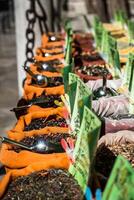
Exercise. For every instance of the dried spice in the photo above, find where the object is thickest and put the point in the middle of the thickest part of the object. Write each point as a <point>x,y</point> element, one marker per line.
<point>126,116</point>
<point>53,120</point>
<point>93,70</point>
<point>54,184</point>
<point>52,138</point>
<point>53,81</point>
<point>44,101</point>
<point>106,155</point>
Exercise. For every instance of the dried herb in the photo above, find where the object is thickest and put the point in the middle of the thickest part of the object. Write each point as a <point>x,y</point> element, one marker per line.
<point>54,184</point>
<point>53,120</point>
<point>50,138</point>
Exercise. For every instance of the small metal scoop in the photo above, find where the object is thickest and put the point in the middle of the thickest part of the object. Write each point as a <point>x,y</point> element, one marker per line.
<point>40,80</point>
<point>104,90</point>
<point>46,67</point>
<point>41,146</point>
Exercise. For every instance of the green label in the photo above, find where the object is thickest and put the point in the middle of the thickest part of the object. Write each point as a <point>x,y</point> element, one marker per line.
<point>72,89</point>
<point>105,40</point>
<point>73,78</point>
<point>131,87</point>
<point>128,70</point>
<point>83,96</point>
<point>131,73</point>
<point>115,61</point>
<point>65,73</point>
<point>131,30</point>
<point>66,70</point>
<point>68,56</point>
<point>120,16</point>
<point>120,185</point>
<point>85,147</point>
<point>98,28</point>
<point>84,90</point>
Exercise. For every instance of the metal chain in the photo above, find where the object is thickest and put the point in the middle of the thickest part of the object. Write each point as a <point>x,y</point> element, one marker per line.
<point>30,35</point>
<point>31,16</point>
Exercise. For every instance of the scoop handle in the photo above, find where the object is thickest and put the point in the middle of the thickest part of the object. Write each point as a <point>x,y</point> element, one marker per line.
<point>27,69</point>
<point>9,141</point>
<point>104,83</point>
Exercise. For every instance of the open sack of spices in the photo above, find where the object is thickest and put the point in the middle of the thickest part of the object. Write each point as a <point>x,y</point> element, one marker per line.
<point>44,147</point>
<point>31,89</point>
<point>107,102</point>
<point>41,118</point>
<point>43,101</point>
<point>49,66</point>
<point>41,180</point>
<point>50,49</point>
<point>52,40</point>
<point>92,72</point>
<point>109,147</point>
<point>46,173</point>
<point>49,83</point>
<point>41,133</point>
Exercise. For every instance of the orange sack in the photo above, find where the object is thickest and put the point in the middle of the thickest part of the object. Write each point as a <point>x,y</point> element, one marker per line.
<point>55,162</point>
<point>33,68</point>
<point>14,160</point>
<point>40,50</point>
<point>30,90</point>
<point>45,42</point>
<point>17,135</point>
<point>42,112</point>
<point>49,58</point>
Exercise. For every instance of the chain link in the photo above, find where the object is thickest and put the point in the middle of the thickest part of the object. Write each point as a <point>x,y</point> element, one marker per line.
<point>31,16</point>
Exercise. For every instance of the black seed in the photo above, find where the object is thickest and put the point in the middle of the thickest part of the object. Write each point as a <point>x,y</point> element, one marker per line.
<point>54,184</point>
<point>53,120</point>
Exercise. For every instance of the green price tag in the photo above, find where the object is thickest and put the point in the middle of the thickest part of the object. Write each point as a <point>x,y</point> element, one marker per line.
<point>120,185</point>
<point>128,70</point>
<point>85,147</point>
<point>112,42</point>
<point>115,61</point>
<point>120,16</point>
<point>72,88</point>
<point>73,78</point>
<point>68,55</point>
<point>131,31</point>
<point>131,73</point>
<point>98,28</point>
<point>84,90</point>
<point>105,41</point>
<point>66,70</point>
<point>83,96</point>
<point>131,86</point>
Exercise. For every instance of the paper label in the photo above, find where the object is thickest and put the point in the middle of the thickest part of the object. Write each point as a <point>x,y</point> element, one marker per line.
<point>73,78</point>
<point>68,56</point>
<point>72,89</point>
<point>84,90</point>
<point>115,61</point>
<point>83,96</point>
<point>85,147</point>
<point>121,182</point>
<point>104,43</point>
<point>128,70</point>
<point>131,30</point>
<point>98,27</point>
<point>66,70</point>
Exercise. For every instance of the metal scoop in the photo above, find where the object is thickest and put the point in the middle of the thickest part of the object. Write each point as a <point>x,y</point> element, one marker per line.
<point>40,80</point>
<point>104,90</point>
<point>45,66</point>
<point>41,146</point>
